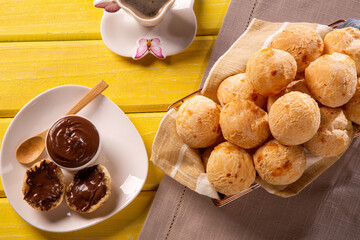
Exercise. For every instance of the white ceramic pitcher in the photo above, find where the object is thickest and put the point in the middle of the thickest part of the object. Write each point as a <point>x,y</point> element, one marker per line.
<point>116,5</point>
<point>126,36</point>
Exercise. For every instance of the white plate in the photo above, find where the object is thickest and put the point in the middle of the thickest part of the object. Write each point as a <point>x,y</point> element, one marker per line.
<point>121,32</point>
<point>123,153</point>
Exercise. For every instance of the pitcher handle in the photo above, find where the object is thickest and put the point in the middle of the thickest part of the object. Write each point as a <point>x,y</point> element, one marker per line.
<point>108,5</point>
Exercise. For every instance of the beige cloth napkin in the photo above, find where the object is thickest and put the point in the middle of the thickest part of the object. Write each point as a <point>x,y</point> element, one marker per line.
<point>177,160</point>
<point>329,208</point>
<point>183,163</point>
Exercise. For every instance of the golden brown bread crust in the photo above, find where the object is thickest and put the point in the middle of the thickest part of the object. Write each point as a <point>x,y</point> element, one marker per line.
<point>60,175</point>
<point>334,135</point>
<point>238,87</point>
<point>352,108</point>
<point>346,41</point>
<point>296,85</point>
<point>103,199</point>
<point>279,164</point>
<point>270,70</point>
<point>303,43</point>
<point>197,122</point>
<point>230,169</point>
<point>294,118</point>
<point>332,79</point>
<point>244,124</point>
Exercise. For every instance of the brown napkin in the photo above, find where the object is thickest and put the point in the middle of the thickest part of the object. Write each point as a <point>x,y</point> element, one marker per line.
<point>329,208</point>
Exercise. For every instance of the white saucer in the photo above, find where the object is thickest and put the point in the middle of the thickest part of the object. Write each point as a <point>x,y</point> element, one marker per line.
<point>123,153</point>
<point>121,32</point>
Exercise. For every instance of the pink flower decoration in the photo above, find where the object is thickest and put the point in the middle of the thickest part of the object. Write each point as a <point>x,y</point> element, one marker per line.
<point>149,45</point>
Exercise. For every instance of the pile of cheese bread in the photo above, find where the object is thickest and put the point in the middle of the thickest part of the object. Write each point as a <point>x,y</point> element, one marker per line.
<point>301,92</point>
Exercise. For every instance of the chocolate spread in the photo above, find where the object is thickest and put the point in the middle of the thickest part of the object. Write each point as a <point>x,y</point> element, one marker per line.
<point>88,189</point>
<point>72,141</point>
<point>45,187</point>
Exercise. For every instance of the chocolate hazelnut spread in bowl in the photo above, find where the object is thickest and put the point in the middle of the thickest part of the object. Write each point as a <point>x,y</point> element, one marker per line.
<point>73,142</point>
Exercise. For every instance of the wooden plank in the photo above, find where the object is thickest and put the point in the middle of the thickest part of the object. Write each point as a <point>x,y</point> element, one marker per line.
<point>35,20</point>
<point>210,15</point>
<point>147,125</point>
<point>23,20</point>
<point>4,123</point>
<point>29,68</point>
<point>126,224</point>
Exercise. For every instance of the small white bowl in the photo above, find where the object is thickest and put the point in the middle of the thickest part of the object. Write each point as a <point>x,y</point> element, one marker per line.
<point>90,162</point>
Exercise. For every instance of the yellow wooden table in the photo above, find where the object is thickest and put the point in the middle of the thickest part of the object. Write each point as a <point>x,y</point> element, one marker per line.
<point>44,44</point>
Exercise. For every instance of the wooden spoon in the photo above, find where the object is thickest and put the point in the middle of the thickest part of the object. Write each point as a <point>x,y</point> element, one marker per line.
<point>32,148</point>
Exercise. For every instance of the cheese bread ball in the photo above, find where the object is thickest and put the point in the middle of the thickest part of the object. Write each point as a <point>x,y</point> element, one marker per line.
<point>352,108</point>
<point>303,43</point>
<point>294,118</point>
<point>278,164</point>
<point>44,185</point>
<point>238,87</point>
<point>230,169</point>
<point>296,85</point>
<point>270,70</point>
<point>197,122</point>
<point>244,124</point>
<point>346,41</point>
<point>334,135</point>
<point>85,196</point>
<point>332,79</point>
